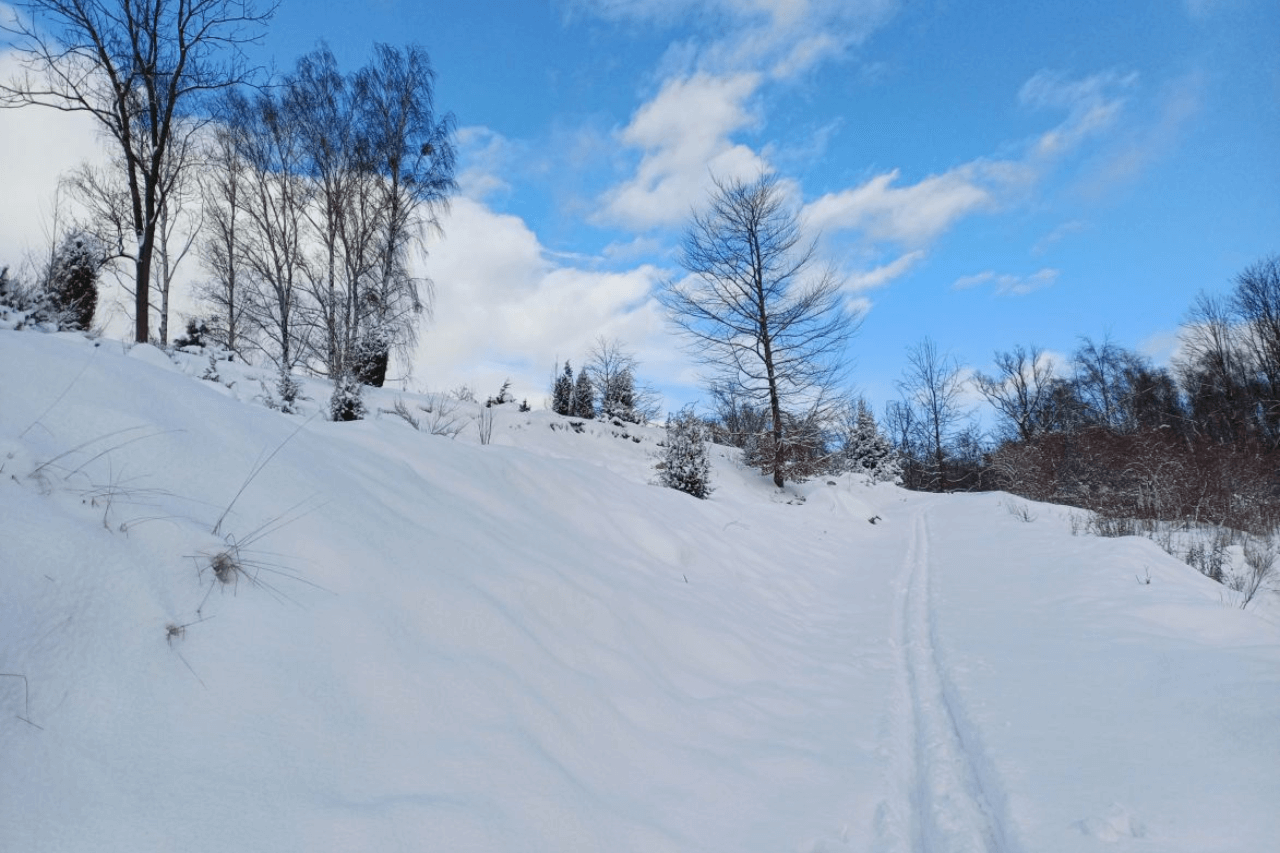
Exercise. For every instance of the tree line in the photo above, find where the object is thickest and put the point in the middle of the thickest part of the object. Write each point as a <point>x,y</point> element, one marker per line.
<point>1110,431</point>
<point>303,197</point>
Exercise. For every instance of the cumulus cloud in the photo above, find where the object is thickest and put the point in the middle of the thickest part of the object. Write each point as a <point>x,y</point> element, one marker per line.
<point>506,308</point>
<point>1006,284</point>
<point>685,133</point>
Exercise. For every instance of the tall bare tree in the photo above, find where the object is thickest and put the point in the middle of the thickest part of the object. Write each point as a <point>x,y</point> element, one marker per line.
<point>756,313</point>
<point>411,148</point>
<point>272,252</point>
<point>142,70</point>
<point>933,387</point>
<point>224,188</point>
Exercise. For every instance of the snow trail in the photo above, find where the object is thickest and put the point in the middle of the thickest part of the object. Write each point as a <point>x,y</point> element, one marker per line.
<point>944,799</point>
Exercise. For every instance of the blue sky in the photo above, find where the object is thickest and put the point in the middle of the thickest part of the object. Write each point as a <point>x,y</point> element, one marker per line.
<point>986,174</point>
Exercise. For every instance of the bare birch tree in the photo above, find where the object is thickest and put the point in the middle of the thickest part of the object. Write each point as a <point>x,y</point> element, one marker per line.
<point>141,70</point>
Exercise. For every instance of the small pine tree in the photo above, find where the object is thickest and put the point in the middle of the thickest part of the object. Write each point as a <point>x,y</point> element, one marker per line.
<point>72,284</point>
<point>687,461</point>
<point>288,389</point>
<point>504,396</point>
<point>8,289</point>
<point>562,392</point>
<point>346,403</point>
<point>618,399</point>
<point>584,397</point>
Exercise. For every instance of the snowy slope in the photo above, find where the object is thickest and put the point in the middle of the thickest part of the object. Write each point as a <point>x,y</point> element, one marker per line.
<point>428,644</point>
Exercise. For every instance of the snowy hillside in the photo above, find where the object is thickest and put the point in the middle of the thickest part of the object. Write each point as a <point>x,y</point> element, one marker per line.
<point>395,641</point>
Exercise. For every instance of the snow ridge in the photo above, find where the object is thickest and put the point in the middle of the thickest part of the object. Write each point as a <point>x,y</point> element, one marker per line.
<point>946,795</point>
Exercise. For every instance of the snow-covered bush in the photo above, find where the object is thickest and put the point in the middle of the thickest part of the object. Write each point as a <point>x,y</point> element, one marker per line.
<point>288,389</point>
<point>346,403</point>
<point>687,461</point>
<point>196,335</point>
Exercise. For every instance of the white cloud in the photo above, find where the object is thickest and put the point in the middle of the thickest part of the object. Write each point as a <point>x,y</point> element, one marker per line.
<point>913,215</point>
<point>788,37</point>
<point>483,156</point>
<point>36,146</point>
<point>910,215</point>
<point>1007,284</point>
<point>506,309</point>
<point>1093,104</point>
<point>1178,104</point>
<point>685,134</point>
<point>1059,233</point>
<point>882,275</point>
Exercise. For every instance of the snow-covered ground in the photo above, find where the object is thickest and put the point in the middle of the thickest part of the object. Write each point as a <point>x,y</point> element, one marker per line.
<point>425,644</point>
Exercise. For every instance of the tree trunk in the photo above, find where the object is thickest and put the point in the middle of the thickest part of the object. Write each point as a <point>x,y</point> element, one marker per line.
<point>142,285</point>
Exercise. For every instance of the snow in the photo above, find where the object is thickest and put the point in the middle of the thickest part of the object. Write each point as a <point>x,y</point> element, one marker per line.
<point>428,644</point>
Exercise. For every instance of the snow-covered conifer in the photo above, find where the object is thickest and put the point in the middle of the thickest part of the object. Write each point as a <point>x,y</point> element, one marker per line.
<point>346,403</point>
<point>584,398</point>
<point>868,451</point>
<point>73,281</point>
<point>562,392</point>
<point>687,461</point>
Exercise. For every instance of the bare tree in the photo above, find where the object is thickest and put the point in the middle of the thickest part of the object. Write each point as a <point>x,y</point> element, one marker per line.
<point>1257,302</point>
<point>612,369</point>
<point>103,192</point>
<point>141,70</point>
<point>272,253</point>
<point>932,386</point>
<point>320,103</point>
<point>1020,388</point>
<point>411,148</point>
<point>224,186</point>
<point>756,313</point>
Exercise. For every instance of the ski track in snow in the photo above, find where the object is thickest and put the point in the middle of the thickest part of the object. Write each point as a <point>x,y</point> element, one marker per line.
<point>942,795</point>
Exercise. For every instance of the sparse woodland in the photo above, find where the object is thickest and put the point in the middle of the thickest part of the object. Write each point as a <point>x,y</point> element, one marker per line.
<point>305,203</point>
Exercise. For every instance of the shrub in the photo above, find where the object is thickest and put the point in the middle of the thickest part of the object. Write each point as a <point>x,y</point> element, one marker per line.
<point>197,334</point>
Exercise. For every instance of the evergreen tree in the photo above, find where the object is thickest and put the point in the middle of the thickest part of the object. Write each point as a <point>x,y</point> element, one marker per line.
<point>562,392</point>
<point>868,451</point>
<point>584,398</point>
<point>618,397</point>
<point>73,282</point>
<point>346,403</point>
<point>687,461</point>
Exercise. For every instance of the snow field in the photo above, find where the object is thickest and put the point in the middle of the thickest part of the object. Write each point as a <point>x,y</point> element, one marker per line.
<point>437,645</point>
